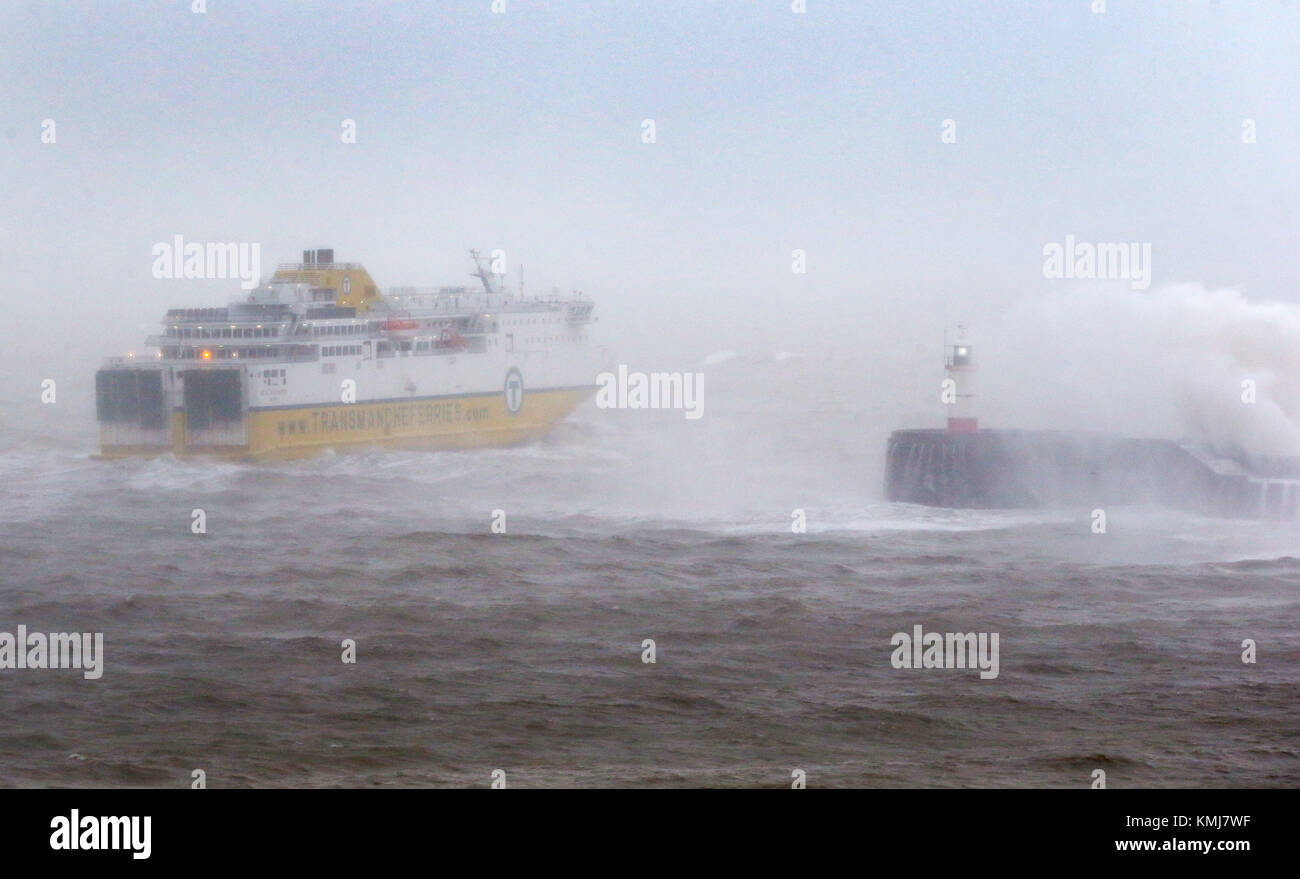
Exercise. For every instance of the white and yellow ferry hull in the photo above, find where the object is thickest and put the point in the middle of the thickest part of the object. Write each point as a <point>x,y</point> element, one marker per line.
<point>290,410</point>
<point>438,422</point>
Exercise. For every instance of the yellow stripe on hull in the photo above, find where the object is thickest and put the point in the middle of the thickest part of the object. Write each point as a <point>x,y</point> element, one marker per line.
<point>444,422</point>
<point>132,451</point>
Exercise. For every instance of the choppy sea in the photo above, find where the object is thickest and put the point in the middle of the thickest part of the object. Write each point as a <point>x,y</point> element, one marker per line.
<point>523,651</point>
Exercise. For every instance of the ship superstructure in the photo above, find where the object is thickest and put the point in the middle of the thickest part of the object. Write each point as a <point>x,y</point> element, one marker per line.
<point>319,357</point>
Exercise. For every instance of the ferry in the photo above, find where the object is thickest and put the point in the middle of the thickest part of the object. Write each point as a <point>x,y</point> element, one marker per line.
<point>320,358</point>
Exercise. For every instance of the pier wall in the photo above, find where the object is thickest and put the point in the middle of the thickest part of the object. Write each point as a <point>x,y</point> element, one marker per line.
<point>1023,468</point>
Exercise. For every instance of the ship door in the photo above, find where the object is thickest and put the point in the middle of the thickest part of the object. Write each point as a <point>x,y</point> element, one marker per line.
<point>131,407</point>
<point>214,408</point>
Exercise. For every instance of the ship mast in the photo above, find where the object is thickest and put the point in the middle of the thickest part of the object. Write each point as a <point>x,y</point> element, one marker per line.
<point>481,273</point>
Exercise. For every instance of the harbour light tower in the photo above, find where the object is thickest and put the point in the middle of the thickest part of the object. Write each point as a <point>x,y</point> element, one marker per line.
<point>959,386</point>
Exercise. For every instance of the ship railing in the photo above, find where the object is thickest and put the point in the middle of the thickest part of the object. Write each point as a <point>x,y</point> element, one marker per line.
<point>468,297</point>
<point>130,361</point>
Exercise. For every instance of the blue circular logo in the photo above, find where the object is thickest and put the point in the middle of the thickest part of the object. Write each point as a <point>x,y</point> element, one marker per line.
<point>514,392</point>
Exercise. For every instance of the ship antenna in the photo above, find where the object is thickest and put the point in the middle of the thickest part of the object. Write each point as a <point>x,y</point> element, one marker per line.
<point>480,273</point>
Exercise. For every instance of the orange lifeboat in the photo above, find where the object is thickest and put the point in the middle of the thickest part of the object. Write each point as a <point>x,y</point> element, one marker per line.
<point>401,327</point>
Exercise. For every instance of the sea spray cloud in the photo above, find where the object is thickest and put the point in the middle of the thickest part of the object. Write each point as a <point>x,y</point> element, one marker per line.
<point>1170,363</point>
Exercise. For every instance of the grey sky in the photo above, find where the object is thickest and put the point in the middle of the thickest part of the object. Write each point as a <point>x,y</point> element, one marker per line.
<point>775,131</point>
